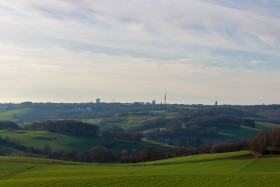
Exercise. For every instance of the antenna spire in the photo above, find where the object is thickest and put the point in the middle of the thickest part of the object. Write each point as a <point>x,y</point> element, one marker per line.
<point>165,98</point>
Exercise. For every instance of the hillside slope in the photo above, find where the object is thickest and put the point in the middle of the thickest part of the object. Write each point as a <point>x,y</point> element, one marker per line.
<point>226,169</point>
<point>56,141</point>
<point>244,133</point>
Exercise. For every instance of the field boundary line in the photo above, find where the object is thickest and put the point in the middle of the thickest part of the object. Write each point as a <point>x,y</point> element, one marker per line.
<point>13,174</point>
<point>139,169</point>
<point>186,161</point>
<point>244,165</point>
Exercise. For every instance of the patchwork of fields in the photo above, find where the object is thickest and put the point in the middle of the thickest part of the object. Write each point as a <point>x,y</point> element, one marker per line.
<point>131,116</point>
<point>37,139</point>
<point>56,141</point>
<point>223,169</point>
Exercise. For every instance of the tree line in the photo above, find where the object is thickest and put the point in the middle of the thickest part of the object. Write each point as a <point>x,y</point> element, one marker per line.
<point>191,129</point>
<point>8,125</point>
<point>150,153</point>
<point>266,142</point>
<point>102,154</point>
<point>72,127</point>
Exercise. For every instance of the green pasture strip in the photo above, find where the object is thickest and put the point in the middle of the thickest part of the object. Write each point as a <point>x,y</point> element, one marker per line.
<point>13,114</point>
<point>163,113</point>
<point>152,129</point>
<point>37,140</point>
<point>10,150</point>
<point>205,167</point>
<point>159,144</point>
<point>37,160</point>
<point>130,122</point>
<point>233,171</point>
<point>187,107</point>
<point>160,112</point>
<point>9,169</point>
<point>200,158</point>
<point>53,171</point>
<point>262,125</point>
<point>264,164</point>
<point>22,167</point>
<point>244,133</point>
<point>237,135</point>
<point>47,168</point>
<point>153,180</point>
<point>92,121</point>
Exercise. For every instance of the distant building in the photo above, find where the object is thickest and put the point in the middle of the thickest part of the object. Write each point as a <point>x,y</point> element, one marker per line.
<point>98,100</point>
<point>153,102</point>
<point>216,103</point>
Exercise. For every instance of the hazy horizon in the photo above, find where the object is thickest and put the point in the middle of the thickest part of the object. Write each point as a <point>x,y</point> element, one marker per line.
<point>198,51</point>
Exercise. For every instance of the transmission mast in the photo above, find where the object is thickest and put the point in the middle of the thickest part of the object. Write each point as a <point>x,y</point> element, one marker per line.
<point>165,98</point>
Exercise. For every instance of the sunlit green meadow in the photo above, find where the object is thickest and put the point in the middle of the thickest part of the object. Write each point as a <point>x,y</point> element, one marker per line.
<point>223,169</point>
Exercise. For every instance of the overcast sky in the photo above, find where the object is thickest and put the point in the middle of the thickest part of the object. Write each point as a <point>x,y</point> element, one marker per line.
<point>198,51</point>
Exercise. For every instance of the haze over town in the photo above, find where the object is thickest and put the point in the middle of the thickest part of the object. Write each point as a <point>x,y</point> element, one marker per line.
<point>198,51</point>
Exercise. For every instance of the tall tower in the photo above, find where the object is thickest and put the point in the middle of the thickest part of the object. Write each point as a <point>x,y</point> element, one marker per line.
<point>165,98</point>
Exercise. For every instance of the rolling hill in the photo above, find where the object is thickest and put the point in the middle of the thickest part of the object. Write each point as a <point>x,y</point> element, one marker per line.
<point>244,133</point>
<point>56,141</point>
<point>225,169</point>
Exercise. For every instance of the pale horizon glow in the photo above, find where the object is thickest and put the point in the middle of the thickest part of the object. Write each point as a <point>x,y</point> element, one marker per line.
<point>198,51</point>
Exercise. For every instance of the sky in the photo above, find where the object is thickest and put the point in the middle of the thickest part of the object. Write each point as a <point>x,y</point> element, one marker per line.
<point>197,51</point>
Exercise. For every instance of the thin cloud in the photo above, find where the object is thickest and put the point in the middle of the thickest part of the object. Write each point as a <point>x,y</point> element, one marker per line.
<point>137,24</point>
<point>194,48</point>
<point>256,62</point>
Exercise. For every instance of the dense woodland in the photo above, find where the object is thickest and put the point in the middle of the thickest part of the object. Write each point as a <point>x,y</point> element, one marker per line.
<point>8,125</point>
<point>266,142</point>
<point>73,127</point>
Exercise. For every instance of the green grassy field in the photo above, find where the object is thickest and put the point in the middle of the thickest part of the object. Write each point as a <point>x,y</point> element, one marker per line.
<point>225,135</point>
<point>223,169</point>
<point>124,124</point>
<point>244,133</point>
<point>37,140</point>
<point>14,114</point>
